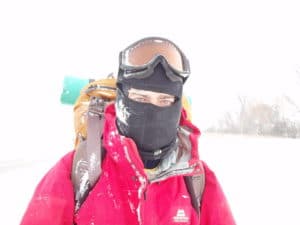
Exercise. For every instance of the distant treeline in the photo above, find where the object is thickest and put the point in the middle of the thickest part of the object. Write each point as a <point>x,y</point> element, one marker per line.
<point>282,118</point>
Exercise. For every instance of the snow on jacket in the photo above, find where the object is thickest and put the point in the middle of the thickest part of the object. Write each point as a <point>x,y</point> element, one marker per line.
<point>125,193</point>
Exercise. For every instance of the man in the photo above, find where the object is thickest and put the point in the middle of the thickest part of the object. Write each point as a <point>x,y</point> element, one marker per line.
<point>150,148</point>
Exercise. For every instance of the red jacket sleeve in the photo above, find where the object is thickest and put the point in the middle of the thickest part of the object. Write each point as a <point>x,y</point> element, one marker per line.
<point>215,209</point>
<point>53,200</point>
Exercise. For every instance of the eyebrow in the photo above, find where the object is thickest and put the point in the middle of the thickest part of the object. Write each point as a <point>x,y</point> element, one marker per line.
<point>165,97</point>
<point>161,97</point>
<point>139,94</point>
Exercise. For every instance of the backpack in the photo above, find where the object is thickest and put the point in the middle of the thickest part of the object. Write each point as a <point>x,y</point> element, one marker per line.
<point>88,121</point>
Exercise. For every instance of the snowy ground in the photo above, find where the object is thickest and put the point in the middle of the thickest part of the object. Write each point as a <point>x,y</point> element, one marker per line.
<point>259,176</point>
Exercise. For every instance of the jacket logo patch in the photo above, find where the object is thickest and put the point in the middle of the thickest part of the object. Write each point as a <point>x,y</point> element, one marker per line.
<point>181,217</point>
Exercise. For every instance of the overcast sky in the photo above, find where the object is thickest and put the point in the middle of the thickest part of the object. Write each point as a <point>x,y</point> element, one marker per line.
<point>235,47</point>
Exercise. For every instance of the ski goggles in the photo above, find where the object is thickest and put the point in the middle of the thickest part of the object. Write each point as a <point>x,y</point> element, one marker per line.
<point>139,59</point>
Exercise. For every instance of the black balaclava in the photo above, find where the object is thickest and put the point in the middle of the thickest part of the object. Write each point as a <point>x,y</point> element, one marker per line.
<point>153,128</point>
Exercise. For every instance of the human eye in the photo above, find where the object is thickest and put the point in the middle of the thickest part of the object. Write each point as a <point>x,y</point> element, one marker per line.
<point>140,99</point>
<point>166,102</point>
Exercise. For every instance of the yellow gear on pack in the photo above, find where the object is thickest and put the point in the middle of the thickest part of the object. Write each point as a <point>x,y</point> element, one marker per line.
<point>105,89</point>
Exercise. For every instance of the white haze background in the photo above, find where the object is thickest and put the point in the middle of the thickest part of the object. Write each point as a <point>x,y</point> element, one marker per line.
<point>235,48</point>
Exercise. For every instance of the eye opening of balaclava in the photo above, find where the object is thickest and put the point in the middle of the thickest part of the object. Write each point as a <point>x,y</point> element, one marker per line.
<point>153,128</point>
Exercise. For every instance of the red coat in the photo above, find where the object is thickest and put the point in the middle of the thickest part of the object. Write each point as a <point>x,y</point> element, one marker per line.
<point>124,195</point>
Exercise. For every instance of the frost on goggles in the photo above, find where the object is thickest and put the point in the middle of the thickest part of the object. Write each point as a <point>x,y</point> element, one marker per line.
<point>146,53</point>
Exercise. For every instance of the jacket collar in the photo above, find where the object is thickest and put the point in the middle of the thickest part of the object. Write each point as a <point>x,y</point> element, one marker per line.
<point>184,161</point>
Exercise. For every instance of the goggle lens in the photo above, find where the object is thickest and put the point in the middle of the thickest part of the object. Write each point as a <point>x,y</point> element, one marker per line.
<point>142,53</point>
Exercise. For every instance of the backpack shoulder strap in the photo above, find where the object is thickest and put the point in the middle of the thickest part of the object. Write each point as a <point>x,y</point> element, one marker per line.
<point>86,167</point>
<point>195,186</point>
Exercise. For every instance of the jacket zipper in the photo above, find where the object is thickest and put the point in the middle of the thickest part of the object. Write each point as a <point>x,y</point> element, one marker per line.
<point>145,195</point>
<point>142,206</point>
